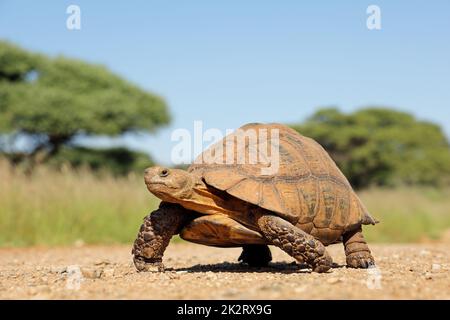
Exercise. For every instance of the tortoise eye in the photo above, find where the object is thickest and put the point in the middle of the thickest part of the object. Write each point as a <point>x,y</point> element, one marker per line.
<point>164,173</point>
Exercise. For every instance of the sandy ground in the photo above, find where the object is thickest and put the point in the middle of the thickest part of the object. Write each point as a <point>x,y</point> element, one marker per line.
<point>199,272</point>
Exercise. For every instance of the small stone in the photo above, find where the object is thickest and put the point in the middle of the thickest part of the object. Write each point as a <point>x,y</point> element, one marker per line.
<point>428,276</point>
<point>424,252</point>
<point>174,275</point>
<point>43,289</point>
<point>439,276</point>
<point>230,292</point>
<point>43,280</point>
<point>58,269</point>
<point>435,267</point>
<point>32,291</point>
<point>300,289</point>
<point>333,280</point>
<point>102,262</point>
<point>108,272</point>
<point>91,273</point>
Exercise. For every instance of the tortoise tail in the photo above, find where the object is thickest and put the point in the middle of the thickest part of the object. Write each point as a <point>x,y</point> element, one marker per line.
<point>366,218</point>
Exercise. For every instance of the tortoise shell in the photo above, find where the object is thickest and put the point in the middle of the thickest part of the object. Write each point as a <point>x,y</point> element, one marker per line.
<point>308,189</point>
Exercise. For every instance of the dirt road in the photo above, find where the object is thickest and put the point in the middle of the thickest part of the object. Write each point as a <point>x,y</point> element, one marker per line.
<point>198,272</point>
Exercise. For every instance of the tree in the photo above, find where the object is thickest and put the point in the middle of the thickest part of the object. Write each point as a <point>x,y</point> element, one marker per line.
<point>52,100</point>
<point>116,161</point>
<point>381,146</point>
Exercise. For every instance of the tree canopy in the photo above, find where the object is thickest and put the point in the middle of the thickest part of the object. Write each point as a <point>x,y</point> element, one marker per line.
<point>381,146</point>
<point>51,100</point>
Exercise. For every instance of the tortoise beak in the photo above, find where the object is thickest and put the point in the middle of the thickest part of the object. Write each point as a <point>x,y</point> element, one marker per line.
<point>151,175</point>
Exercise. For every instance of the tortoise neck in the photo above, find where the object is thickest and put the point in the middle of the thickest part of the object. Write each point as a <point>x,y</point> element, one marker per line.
<point>208,200</point>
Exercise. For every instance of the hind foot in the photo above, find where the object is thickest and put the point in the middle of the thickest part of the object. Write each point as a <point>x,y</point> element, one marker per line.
<point>362,259</point>
<point>256,255</point>
<point>357,251</point>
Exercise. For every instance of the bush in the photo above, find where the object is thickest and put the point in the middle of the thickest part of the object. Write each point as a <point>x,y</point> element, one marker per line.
<point>380,146</point>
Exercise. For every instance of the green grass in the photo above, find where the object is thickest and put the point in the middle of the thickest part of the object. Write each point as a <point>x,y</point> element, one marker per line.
<point>60,208</point>
<point>52,208</point>
<point>407,214</point>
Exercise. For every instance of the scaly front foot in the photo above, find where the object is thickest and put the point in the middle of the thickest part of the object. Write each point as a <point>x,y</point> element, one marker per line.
<point>154,236</point>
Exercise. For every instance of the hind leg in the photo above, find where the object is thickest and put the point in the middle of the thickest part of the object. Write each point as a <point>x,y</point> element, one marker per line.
<point>357,251</point>
<point>256,255</point>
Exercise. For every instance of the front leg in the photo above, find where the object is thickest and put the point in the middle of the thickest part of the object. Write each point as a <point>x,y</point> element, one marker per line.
<point>295,242</point>
<point>154,235</point>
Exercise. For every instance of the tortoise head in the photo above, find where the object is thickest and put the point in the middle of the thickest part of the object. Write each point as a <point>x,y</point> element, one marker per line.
<point>189,190</point>
<point>172,185</point>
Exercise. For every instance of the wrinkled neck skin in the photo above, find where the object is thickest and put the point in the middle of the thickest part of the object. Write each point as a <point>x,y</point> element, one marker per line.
<point>199,197</point>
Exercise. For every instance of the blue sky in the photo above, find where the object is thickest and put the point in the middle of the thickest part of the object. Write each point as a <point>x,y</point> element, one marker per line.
<point>232,62</point>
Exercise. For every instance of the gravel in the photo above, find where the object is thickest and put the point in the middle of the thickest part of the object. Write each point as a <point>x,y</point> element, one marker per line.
<point>417,271</point>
